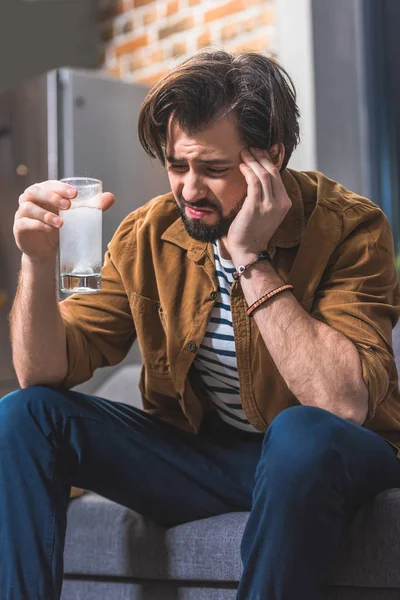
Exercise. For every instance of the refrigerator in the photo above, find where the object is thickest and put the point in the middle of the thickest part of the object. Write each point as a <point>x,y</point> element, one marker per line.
<point>64,123</point>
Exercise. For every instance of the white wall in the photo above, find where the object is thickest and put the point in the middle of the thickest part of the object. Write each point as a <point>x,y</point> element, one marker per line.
<point>294,44</point>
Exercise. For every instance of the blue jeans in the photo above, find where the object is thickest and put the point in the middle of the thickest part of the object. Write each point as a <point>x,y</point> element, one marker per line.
<point>299,480</point>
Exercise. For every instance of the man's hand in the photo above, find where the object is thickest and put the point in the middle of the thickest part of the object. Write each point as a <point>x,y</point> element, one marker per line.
<point>37,222</point>
<point>263,210</point>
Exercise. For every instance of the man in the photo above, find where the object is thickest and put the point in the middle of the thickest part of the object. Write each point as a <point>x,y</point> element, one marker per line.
<point>263,301</point>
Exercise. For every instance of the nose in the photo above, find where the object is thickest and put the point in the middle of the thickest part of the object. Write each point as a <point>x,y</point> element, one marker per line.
<point>193,188</point>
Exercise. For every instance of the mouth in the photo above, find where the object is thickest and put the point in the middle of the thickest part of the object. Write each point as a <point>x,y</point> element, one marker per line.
<point>198,213</point>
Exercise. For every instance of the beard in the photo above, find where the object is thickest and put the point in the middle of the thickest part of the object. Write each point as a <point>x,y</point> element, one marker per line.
<point>207,233</point>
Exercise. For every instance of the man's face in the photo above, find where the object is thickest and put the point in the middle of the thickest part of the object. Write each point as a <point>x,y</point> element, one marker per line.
<point>203,170</point>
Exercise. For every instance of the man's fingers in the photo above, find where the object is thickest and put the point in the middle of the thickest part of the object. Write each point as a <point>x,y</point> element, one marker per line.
<point>26,224</point>
<point>261,173</point>
<point>253,182</point>
<point>34,211</point>
<point>63,189</point>
<point>55,195</point>
<point>107,200</point>
<point>47,197</point>
<point>264,158</point>
<point>278,190</point>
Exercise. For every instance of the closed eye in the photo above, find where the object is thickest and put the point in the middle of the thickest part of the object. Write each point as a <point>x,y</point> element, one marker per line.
<point>181,168</point>
<point>217,171</point>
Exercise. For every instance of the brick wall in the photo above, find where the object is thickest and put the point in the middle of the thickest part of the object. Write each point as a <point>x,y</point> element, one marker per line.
<point>143,39</point>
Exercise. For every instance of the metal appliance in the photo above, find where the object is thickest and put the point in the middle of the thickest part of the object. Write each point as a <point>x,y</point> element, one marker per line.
<point>63,123</point>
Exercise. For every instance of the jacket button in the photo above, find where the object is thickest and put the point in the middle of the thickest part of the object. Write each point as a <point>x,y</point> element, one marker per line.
<point>178,396</point>
<point>213,295</point>
<point>156,306</point>
<point>191,346</point>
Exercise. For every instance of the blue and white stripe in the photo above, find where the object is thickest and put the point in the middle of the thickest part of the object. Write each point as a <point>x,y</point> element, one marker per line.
<point>216,358</point>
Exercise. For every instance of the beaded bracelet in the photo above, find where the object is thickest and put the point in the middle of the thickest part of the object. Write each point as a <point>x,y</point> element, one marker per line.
<point>266,297</point>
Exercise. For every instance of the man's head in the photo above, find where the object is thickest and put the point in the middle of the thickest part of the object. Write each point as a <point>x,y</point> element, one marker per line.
<point>199,117</point>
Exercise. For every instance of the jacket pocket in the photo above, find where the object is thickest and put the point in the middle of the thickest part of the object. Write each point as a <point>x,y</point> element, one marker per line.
<point>150,325</point>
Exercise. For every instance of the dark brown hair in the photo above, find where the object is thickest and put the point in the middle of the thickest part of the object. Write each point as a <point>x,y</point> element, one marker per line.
<point>253,88</point>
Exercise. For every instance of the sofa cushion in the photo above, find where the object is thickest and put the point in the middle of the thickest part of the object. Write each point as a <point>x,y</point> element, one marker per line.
<point>106,539</point>
<point>162,590</point>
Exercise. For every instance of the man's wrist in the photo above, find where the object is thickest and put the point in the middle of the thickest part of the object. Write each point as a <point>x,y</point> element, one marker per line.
<point>244,258</point>
<point>251,262</point>
<point>38,272</point>
<point>39,265</point>
<point>259,279</point>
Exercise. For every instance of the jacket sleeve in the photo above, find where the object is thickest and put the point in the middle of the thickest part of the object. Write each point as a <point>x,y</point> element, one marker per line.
<point>359,297</point>
<point>99,326</point>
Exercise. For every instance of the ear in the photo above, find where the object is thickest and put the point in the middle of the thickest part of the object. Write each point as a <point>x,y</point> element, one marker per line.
<point>277,154</point>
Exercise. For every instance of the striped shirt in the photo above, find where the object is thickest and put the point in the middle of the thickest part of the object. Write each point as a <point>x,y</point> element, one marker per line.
<point>216,358</point>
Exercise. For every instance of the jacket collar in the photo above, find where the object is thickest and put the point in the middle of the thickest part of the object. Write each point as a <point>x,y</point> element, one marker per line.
<point>288,234</point>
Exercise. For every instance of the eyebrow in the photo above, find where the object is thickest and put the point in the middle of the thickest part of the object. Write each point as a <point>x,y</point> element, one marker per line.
<point>213,161</point>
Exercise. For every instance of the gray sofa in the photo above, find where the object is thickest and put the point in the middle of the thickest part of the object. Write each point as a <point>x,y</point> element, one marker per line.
<point>113,553</point>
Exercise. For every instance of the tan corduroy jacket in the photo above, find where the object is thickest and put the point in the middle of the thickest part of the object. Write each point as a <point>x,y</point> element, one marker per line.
<point>159,286</point>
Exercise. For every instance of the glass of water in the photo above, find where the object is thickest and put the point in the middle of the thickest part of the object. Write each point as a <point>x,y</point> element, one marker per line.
<point>81,238</point>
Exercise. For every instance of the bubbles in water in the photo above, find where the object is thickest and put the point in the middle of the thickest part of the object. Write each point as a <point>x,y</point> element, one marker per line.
<point>80,241</point>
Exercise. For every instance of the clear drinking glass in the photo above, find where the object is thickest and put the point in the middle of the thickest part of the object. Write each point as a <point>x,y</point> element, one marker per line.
<point>81,238</point>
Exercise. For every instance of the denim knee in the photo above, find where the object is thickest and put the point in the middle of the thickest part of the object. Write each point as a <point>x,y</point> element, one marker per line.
<point>18,408</point>
<point>303,439</point>
<point>299,420</point>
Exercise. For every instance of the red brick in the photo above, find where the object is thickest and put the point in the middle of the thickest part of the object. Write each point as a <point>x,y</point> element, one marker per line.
<point>157,56</point>
<point>138,62</point>
<point>172,7</point>
<point>267,15</point>
<point>225,10</point>
<point>179,48</point>
<point>251,24</point>
<point>120,7</point>
<point>258,44</point>
<point>142,60</point>
<point>132,45</point>
<point>137,3</point>
<point>204,39</point>
<point>182,25</point>
<point>151,16</point>
<point>229,31</point>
